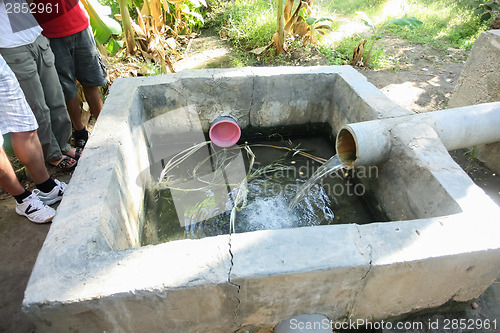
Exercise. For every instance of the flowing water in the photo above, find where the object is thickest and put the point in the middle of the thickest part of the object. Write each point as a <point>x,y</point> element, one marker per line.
<point>191,209</point>
<point>330,166</point>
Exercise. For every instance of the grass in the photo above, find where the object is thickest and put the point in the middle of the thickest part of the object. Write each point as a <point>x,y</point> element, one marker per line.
<point>342,53</point>
<point>447,23</point>
<point>350,7</point>
<point>248,24</point>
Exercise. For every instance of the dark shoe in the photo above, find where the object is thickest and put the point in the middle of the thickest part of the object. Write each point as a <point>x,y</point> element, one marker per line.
<point>67,163</point>
<point>78,153</point>
<point>81,137</point>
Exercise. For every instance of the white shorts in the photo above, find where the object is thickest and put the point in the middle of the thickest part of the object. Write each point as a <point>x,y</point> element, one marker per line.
<point>15,113</point>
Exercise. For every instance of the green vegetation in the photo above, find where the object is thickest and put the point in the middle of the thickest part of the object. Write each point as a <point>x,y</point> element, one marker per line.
<point>342,53</point>
<point>350,7</point>
<point>487,9</point>
<point>331,27</point>
<point>377,32</point>
<point>447,23</point>
<point>250,24</point>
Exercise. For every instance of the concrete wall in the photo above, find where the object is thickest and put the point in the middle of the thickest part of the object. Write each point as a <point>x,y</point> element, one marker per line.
<point>480,83</point>
<point>91,277</point>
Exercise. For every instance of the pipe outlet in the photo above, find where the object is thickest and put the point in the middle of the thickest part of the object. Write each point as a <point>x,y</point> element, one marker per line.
<point>365,143</point>
<point>224,132</point>
<point>369,143</point>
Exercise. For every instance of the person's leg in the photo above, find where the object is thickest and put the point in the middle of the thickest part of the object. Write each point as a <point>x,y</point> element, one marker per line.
<point>8,179</point>
<point>17,118</point>
<point>89,70</point>
<point>28,204</point>
<point>93,97</point>
<point>75,113</point>
<point>54,97</point>
<point>63,49</point>
<point>23,61</point>
<point>46,119</point>
<point>23,65</point>
<point>28,150</point>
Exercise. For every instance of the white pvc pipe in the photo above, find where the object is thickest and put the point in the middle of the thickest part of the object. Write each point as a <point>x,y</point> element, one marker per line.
<point>369,143</point>
<point>365,143</point>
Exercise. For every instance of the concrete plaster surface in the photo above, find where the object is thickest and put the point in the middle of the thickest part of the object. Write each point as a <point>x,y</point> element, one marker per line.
<point>20,241</point>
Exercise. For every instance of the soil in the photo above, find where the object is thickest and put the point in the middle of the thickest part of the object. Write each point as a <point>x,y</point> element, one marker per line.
<point>421,80</point>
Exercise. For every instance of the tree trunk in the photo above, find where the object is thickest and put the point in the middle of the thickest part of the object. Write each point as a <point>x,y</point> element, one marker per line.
<point>281,29</point>
<point>127,27</point>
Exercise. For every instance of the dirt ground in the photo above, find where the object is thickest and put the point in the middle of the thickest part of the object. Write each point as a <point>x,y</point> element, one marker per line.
<point>422,80</point>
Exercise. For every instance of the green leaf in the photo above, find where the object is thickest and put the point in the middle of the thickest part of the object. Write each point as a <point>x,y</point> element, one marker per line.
<point>113,46</point>
<point>367,21</point>
<point>310,20</point>
<point>104,27</point>
<point>198,16</point>
<point>185,8</point>
<point>198,3</point>
<point>410,22</point>
<point>303,13</point>
<point>478,11</point>
<point>486,16</point>
<point>324,19</point>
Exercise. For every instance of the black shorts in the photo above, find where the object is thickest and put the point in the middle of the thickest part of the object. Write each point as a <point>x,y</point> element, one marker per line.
<point>77,58</point>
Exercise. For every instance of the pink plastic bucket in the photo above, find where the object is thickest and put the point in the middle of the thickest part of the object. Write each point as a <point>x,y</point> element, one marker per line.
<point>224,132</point>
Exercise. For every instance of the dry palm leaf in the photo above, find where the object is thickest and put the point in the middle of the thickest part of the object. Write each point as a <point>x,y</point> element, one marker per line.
<point>357,55</point>
<point>288,10</point>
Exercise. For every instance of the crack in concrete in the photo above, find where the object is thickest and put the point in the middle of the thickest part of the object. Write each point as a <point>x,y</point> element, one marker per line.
<point>251,100</point>
<point>363,278</point>
<point>370,263</point>
<point>238,301</point>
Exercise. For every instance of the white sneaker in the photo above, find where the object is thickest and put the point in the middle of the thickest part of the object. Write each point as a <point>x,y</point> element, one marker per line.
<point>35,210</point>
<point>53,196</point>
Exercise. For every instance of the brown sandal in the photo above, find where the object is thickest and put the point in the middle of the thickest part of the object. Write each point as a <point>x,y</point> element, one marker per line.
<point>65,163</point>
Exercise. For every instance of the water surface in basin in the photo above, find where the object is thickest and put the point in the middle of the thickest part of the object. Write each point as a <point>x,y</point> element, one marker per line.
<point>278,171</point>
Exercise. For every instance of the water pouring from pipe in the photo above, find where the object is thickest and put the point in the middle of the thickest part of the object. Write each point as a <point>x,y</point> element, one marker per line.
<point>332,165</point>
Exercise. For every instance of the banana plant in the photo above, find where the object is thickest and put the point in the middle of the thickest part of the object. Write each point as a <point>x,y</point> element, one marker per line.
<point>486,9</point>
<point>300,22</point>
<point>378,32</point>
<point>106,29</point>
<point>316,26</point>
<point>127,26</point>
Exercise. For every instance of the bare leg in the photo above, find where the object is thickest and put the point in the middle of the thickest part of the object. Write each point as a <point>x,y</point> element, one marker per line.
<point>28,150</point>
<point>8,179</point>
<point>73,106</point>
<point>93,97</point>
